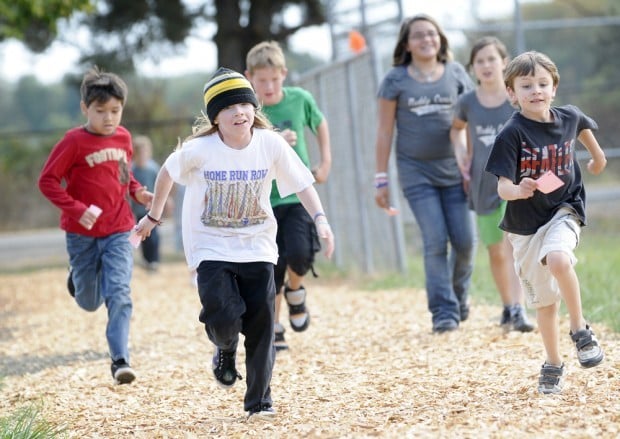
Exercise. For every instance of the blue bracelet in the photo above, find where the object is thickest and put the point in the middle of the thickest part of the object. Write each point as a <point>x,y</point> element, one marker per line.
<point>381,184</point>
<point>318,214</point>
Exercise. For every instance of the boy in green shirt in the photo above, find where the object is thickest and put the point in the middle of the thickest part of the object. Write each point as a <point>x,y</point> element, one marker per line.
<point>290,110</point>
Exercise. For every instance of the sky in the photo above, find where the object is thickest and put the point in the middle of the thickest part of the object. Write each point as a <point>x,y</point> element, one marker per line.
<point>60,58</point>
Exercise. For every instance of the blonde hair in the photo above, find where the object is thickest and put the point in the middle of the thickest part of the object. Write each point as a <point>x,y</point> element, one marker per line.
<point>525,65</point>
<point>264,55</point>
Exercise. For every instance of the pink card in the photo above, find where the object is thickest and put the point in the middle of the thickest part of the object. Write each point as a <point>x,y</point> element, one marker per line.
<point>134,239</point>
<point>95,209</point>
<point>391,211</point>
<point>549,182</point>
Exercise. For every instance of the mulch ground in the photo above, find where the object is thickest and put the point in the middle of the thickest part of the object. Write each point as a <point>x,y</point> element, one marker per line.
<point>368,366</point>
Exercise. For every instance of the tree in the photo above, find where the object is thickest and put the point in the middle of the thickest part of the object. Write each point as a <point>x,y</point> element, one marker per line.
<point>34,22</point>
<point>124,32</point>
<point>239,30</point>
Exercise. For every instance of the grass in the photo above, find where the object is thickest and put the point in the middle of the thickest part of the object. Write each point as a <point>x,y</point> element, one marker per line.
<point>26,423</point>
<point>598,259</point>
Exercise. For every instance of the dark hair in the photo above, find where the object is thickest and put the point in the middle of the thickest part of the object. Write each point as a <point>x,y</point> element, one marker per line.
<point>99,86</point>
<point>484,42</point>
<point>403,57</point>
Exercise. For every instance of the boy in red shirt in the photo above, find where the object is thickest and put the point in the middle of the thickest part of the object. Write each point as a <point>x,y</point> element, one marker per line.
<point>94,160</point>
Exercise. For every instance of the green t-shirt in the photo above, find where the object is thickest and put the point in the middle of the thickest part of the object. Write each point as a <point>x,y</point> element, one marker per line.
<point>295,111</point>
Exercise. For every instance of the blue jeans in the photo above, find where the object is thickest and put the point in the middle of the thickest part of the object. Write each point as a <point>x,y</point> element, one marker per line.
<point>102,270</point>
<point>444,218</point>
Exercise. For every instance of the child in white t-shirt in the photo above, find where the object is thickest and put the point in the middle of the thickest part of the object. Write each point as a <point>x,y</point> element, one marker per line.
<point>229,231</point>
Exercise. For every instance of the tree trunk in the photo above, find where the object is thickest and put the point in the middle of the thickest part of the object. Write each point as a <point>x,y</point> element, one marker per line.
<point>264,22</point>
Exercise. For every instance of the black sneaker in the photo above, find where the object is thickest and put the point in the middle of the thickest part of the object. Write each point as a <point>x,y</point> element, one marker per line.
<point>550,380</point>
<point>589,352</point>
<point>224,368</point>
<point>122,372</point>
<point>464,311</point>
<point>70,284</point>
<point>506,319</point>
<point>446,325</point>
<point>262,411</point>
<point>279,341</point>
<point>520,321</point>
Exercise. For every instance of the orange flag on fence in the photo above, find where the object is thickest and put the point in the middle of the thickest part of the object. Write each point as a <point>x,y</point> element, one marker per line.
<point>357,42</point>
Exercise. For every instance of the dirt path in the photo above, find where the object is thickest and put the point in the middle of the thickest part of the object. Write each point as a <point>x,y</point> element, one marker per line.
<point>368,366</point>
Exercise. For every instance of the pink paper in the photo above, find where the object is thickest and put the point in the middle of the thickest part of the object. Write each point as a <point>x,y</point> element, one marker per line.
<point>95,209</point>
<point>391,211</point>
<point>549,182</point>
<point>134,239</point>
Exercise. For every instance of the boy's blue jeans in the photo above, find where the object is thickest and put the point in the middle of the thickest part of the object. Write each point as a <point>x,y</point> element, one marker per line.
<point>445,220</point>
<point>102,270</point>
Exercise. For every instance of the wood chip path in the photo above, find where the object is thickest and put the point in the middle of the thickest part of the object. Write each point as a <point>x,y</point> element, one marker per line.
<point>367,367</point>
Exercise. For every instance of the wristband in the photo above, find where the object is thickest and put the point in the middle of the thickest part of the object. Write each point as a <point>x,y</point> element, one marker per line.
<point>381,175</point>
<point>380,184</point>
<point>153,220</point>
<point>317,215</point>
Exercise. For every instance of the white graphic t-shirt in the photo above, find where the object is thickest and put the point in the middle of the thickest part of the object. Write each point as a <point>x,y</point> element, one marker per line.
<point>227,215</point>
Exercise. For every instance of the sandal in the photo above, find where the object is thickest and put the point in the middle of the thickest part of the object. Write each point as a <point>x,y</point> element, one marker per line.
<point>279,341</point>
<point>299,317</point>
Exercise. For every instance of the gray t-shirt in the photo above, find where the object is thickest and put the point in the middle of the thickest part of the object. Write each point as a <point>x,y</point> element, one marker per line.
<point>483,125</point>
<point>424,112</point>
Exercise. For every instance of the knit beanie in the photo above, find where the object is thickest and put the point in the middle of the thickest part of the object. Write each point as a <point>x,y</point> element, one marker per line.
<point>227,87</point>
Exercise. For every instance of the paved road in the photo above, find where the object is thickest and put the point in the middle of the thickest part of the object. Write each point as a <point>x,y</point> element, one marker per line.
<point>34,248</point>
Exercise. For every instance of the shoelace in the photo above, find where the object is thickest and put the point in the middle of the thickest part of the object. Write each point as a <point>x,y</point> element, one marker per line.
<point>226,362</point>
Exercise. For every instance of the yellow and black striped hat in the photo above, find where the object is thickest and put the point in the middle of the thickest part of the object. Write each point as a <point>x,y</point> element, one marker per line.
<point>227,87</point>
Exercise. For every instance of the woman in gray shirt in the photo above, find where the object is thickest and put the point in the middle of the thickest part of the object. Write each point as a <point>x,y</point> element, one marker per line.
<point>418,96</point>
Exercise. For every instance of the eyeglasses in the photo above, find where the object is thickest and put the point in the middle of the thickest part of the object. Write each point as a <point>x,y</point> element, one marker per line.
<point>422,35</point>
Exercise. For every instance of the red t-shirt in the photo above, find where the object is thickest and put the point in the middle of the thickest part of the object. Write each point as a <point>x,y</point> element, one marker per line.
<point>96,170</point>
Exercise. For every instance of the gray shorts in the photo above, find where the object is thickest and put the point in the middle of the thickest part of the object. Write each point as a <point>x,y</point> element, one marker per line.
<point>561,233</point>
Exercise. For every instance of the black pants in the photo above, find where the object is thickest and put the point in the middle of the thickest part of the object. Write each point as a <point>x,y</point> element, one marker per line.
<point>297,240</point>
<point>239,298</point>
<point>150,247</point>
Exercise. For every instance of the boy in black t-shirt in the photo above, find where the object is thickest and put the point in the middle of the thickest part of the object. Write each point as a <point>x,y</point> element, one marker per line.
<point>535,149</point>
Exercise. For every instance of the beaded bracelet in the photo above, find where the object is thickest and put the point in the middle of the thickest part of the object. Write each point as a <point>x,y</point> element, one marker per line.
<point>153,220</point>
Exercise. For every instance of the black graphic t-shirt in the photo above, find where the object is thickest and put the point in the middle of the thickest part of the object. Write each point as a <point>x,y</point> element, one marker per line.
<point>527,148</point>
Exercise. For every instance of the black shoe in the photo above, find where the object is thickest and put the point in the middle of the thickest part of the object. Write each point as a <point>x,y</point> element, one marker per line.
<point>70,285</point>
<point>464,311</point>
<point>520,321</point>
<point>122,372</point>
<point>446,325</point>
<point>550,380</point>
<point>506,320</point>
<point>224,368</point>
<point>589,351</point>
<point>262,411</point>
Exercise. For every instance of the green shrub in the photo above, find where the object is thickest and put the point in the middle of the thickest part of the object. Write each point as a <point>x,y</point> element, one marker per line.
<point>26,423</point>
<point>598,258</point>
